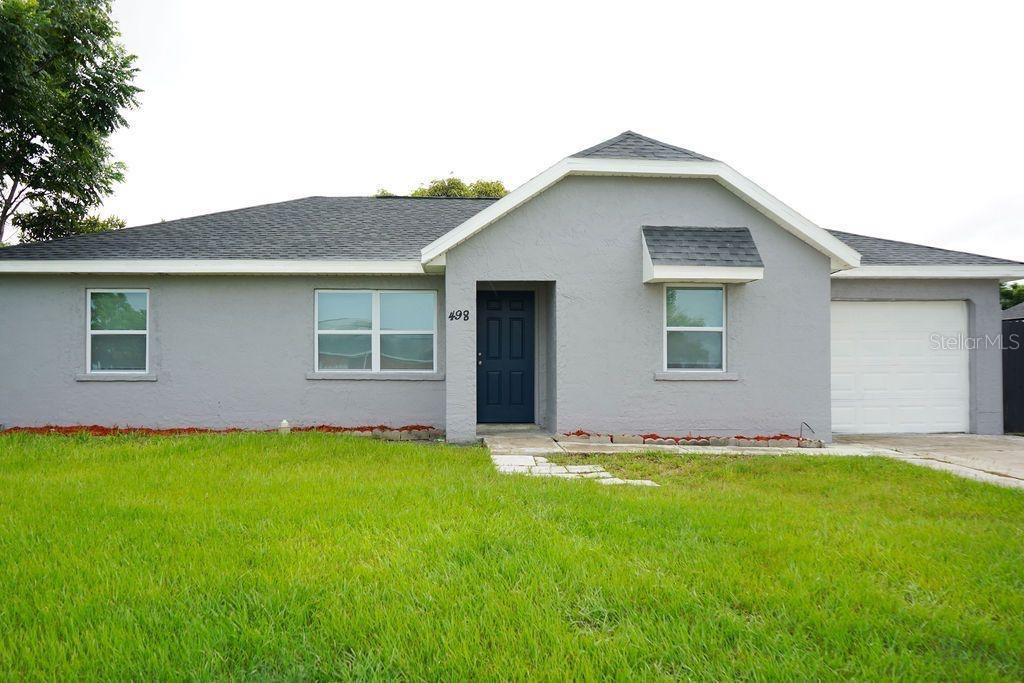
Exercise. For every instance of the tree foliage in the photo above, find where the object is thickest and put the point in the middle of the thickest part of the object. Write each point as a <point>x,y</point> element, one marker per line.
<point>488,188</point>
<point>1012,294</point>
<point>443,187</point>
<point>65,81</point>
<point>455,187</point>
<point>48,222</point>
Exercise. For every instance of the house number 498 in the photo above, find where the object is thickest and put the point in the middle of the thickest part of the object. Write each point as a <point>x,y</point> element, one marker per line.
<point>459,315</point>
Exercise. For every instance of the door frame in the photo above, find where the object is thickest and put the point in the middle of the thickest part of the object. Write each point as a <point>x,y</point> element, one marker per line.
<point>534,294</point>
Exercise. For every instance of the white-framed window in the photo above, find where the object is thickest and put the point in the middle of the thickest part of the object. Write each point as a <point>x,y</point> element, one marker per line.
<point>385,330</point>
<point>694,327</point>
<point>117,330</point>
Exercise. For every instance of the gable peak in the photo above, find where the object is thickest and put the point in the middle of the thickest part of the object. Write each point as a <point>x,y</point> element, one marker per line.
<point>630,145</point>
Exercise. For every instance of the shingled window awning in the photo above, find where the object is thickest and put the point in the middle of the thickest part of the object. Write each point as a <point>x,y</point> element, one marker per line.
<point>700,254</point>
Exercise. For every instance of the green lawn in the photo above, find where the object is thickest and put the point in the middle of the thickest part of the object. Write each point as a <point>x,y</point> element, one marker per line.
<point>322,556</point>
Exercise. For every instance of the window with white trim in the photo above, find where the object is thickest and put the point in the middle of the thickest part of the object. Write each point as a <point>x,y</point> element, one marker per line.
<point>376,330</point>
<point>694,328</point>
<point>117,338</point>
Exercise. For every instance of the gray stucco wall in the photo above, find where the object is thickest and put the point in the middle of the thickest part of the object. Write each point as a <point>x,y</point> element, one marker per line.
<point>984,319</point>
<point>584,235</point>
<point>227,351</point>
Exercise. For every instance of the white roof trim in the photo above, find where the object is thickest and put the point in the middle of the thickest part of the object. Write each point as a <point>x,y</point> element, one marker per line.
<point>995,271</point>
<point>842,256</point>
<point>719,274</point>
<point>212,266</point>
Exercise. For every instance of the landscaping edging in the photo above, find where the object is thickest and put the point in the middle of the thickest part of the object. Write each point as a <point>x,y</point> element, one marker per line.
<point>384,432</point>
<point>759,441</point>
<point>413,433</point>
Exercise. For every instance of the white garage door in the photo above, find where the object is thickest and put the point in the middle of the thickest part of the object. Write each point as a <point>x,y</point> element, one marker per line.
<point>888,373</point>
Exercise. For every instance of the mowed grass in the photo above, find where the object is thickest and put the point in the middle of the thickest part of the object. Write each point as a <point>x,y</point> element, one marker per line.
<point>316,556</point>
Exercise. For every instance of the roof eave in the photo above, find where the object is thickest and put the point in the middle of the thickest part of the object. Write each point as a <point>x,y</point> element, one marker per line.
<point>213,266</point>
<point>711,274</point>
<point>691,272</point>
<point>995,271</point>
<point>841,255</point>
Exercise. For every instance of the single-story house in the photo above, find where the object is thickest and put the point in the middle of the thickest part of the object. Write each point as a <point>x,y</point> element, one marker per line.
<point>633,287</point>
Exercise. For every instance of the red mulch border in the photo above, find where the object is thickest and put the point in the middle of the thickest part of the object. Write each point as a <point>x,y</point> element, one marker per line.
<point>101,430</point>
<point>692,437</point>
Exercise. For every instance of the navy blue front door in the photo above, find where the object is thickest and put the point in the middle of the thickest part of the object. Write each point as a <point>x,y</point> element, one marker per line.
<point>504,357</point>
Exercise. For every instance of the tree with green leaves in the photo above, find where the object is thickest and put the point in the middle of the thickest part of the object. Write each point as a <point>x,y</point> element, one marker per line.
<point>1012,294</point>
<point>455,187</point>
<point>65,82</point>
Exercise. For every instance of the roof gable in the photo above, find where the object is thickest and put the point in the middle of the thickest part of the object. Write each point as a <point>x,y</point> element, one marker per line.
<point>685,164</point>
<point>630,145</point>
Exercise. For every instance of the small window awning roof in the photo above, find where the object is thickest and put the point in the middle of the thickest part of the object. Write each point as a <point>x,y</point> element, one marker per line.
<point>700,254</point>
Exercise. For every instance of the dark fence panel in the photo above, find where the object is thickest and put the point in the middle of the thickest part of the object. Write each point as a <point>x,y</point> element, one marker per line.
<point>1013,376</point>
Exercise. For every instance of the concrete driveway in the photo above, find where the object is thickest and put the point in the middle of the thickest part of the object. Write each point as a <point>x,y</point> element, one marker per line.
<point>995,459</point>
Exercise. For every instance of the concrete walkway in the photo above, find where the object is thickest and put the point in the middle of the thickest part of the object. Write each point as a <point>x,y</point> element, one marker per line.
<point>526,454</point>
<point>525,451</point>
<point>537,443</point>
<point>993,459</point>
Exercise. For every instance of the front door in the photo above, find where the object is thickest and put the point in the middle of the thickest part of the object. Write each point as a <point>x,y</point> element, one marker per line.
<point>504,357</point>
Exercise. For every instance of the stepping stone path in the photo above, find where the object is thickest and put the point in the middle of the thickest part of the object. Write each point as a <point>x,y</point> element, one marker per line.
<point>526,455</point>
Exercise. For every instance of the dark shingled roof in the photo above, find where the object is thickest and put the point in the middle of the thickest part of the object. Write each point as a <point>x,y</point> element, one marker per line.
<point>342,228</point>
<point>700,246</point>
<point>876,251</point>
<point>371,228</point>
<point>630,145</point>
<point>1014,312</point>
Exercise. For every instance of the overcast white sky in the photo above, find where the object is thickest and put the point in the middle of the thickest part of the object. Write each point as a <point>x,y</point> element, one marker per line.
<point>896,119</point>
